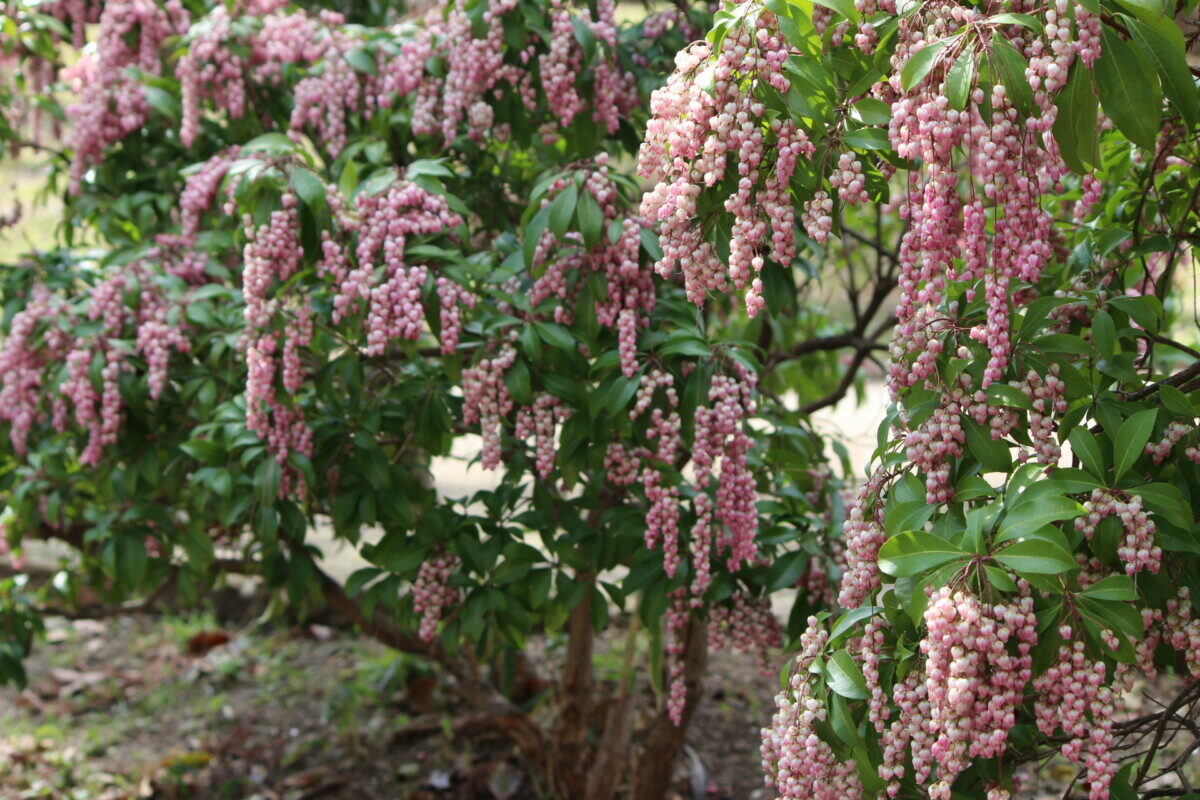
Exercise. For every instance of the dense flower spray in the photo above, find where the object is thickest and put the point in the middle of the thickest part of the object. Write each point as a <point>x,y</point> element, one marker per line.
<point>972,98</point>
<point>111,100</point>
<point>697,137</point>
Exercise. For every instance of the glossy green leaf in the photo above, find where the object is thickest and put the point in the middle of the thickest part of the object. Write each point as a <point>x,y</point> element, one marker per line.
<point>562,209</point>
<point>1171,63</point>
<point>1010,66</point>
<point>1129,90</point>
<point>850,619</point>
<point>1025,519</point>
<point>1113,587</point>
<point>960,79</point>
<point>1087,449</point>
<point>1131,440</point>
<point>1165,501</point>
<point>921,63</point>
<point>913,552</point>
<point>1024,20</point>
<point>1035,556</point>
<point>1075,129</point>
<point>555,335</point>
<point>845,676</point>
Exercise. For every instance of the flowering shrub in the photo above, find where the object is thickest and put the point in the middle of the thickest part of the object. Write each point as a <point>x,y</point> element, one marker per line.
<point>327,252</point>
<point>1024,546</point>
<point>302,257</point>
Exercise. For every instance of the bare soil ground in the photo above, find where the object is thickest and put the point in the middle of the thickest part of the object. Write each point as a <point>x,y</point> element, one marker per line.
<point>182,709</point>
<point>178,708</point>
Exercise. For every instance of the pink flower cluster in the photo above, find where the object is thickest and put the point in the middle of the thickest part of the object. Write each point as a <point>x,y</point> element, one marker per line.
<point>1074,696</point>
<point>973,685</point>
<point>450,295</point>
<point>210,68</point>
<point>111,102</point>
<point>538,421</point>
<point>1137,550</point>
<point>486,401</point>
<point>27,357</point>
<point>799,764</point>
<point>629,295</point>
<point>474,67</point>
<point>384,223</point>
<point>219,68</point>
<point>695,137</point>
<point>432,593</point>
<point>560,64</point>
<point>864,535</point>
<point>325,100</point>
<point>1160,451</point>
<point>719,435</point>
<point>273,254</point>
<point>76,15</point>
<point>23,361</point>
<point>747,625</point>
<point>1177,627</point>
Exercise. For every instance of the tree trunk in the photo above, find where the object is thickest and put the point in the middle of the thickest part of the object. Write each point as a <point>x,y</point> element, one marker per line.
<point>568,760</point>
<point>612,752</point>
<point>664,739</point>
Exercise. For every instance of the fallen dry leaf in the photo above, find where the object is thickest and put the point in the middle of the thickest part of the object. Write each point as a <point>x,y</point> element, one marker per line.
<point>204,641</point>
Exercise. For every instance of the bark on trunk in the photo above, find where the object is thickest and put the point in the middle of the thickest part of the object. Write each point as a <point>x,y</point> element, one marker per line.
<point>568,755</point>
<point>664,739</point>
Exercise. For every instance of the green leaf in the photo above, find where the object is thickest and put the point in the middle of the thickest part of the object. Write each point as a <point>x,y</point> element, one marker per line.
<point>562,208</point>
<point>1114,587</point>
<point>685,345</point>
<point>591,219</point>
<point>1129,90</point>
<point>362,60</point>
<point>850,618</point>
<point>909,516</point>
<point>921,63</point>
<point>870,111</point>
<point>1024,20</point>
<point>1000,579</point>
<point>867,139</point>
<point>266,481</point>
<point>433,167</point>
<point>1004,394</point>
<point>786,570</point>
<point>960,79</point>
<point>1172,66</point>
<point>203,450</point>
<point>1036,556</point>
<point>972,487</point>
<point>1062,343</point>
<point>1166,501</point>
<point>1075,127</point>
<point>1073,481</point>
<point>308,188</point>
<point>1023,520</point>
<point>844,7</point>
<point>1104,333</point>
<point>842,722</point>
<point>913,552</point>
<point>992,454</point>
<point>1010,66</point>
<point>1158,15</point>
<point>845,677</point>
<point>131,559</point>
<point>555,335</point>
<point>1115,616</point>
<point>1131,439</point>
<point>1087,450</point>
<point>1146,310</point>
